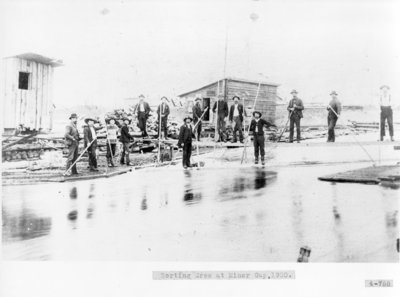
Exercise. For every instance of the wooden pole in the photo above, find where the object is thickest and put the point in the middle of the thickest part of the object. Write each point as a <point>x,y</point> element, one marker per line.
<point>80,156</point>
<point>248,130</point>
<point>284,128</point>
<point>159,136</point>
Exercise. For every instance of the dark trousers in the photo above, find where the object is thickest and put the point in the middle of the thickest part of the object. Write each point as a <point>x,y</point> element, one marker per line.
<point>331,128</point>
<point>386,115</point>
<point>92,156</point>
<point>110,150</point>
<point>294,119</point>
<point>125,153</point>
<point>238,127</point>
<point>164,127</point>
<point>72,156</point>
<point>259,144</point>
<point>142,123</point>
<point>221,126</point>
<point>187,153</point>
<point>198,129</point>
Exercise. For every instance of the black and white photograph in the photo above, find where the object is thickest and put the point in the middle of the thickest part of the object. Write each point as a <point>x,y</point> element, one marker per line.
<point>245,140</point>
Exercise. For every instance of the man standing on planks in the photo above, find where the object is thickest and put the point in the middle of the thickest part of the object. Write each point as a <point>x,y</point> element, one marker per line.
<point>163,108</point>
<point>256,126</point>
<point>197,113</point>
<point>185,141</point>
<point>72,142</point>
<point>222,113</point>
<point>142,111</point>
<point>125,138</point>
<point>236,118</point>
<point>385,102</point>
<point>111,141</point>
<point>295,109</point>
<point>334,110</point>
<point>90,140</point>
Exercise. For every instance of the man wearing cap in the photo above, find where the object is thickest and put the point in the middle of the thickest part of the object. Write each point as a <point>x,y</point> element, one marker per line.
<point>125,138</point>
<point>236,118</point>
<point>112,130</point>
<point>385,102</point>
<point>256,126</point>
<point>334,109</point>
<point>197,112</point>
<point>142,111</point>
<point>222,113</point>
<point>90,141</point>
<point>72,142</point>
<point>163,109</point>
<point>295,109</point>
<point>185,141</point>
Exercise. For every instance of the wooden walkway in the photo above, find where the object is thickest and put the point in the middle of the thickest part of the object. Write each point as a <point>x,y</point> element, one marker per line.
<point>368,175</point>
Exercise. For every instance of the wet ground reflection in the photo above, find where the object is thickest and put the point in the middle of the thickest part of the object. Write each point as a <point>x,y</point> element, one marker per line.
<point>240,214</point>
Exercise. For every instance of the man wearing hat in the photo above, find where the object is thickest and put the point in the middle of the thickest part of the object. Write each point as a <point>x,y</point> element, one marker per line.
<point>222,113</point>
<point>72,142</point>
<point>142,111</point>
<point>197,112</point>
<point>112,130</point>
<point>125,139</point>
<point>90,141</point>
<point>295,109</point>
<point>334,109</point>
<point>385,102</point>
<point>256,126</point>
<point>185,141</point>
<point>236,118</point>
<point>163,108</point>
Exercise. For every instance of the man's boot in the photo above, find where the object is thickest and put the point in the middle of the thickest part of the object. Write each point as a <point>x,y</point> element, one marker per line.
<point>256,161</point>
<point>262,161</point>
<point>391,138</point>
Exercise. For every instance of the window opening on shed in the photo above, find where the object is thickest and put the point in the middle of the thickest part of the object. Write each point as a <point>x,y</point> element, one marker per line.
<point>23,81</point>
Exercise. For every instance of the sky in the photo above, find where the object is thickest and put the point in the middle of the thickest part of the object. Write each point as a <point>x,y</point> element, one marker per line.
<point>119,49</point>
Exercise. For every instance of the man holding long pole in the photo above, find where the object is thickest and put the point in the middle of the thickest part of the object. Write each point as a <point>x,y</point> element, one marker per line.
<point>295,109</point>
<point>72,142</point>
<point>334,108</point>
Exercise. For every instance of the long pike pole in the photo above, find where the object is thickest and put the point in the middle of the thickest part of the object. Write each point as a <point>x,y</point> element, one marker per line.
<point>284,128</point>
<point>248,129</point>
<point>159,136</point>
<point>80,156</point>
<point>355,139</point>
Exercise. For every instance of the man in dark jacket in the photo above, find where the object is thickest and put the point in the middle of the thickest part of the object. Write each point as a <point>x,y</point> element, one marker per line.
<point>185,141</point>
<point>125,138</point>
<point>142,111</point>
<point>222,113</point>
<point>236,118</point>
<point>163,108</point>
<point>72,142</point>
<point>334,108</point>
<point>90,141</point>
<point>295,109</point>
<point>256,126</point>
<point>197,112</point>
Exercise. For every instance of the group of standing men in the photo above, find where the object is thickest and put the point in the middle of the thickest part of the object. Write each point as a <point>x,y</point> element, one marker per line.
<point>235,113</point>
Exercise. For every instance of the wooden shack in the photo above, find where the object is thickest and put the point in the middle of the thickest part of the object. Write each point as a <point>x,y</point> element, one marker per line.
<point>27,92</point>
<point>227,88</point>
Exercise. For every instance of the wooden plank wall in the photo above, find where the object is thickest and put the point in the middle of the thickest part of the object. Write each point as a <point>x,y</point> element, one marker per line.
<point>31,107</point>
<point>266,101</point>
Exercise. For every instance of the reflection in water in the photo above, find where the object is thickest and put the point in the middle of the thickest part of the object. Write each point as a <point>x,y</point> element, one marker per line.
<point>191,195</point>
<point>26,226</point>
<point>236,187</point>
<point>73,194</point>
<point>73,215</point>
<point>143,205</point>
<point>92,191</point>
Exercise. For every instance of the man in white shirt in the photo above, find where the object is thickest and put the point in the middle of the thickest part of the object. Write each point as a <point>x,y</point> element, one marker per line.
<point>385,102</point>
